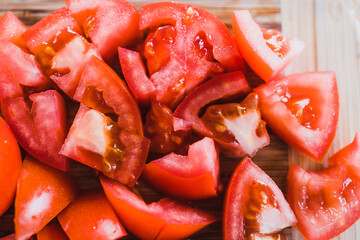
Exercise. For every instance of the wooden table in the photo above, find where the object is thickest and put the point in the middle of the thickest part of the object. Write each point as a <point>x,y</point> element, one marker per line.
<point>331,31</point>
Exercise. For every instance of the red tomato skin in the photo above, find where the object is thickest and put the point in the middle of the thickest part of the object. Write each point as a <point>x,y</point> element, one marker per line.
<point>113,23</point>
<point>52,231</point>
<point>49,27</point>
<point>130,60</point>
<point>41,194</point>
<point>10,165</point>
<point>115,94</point>
<point>194,176</point>
<point>254,49</point>
<point>11,27</point>
<point>90,216</point>
<point>320,86</point>
<point>41,138</point>
<point>166,219</point>
<point>234,203</point>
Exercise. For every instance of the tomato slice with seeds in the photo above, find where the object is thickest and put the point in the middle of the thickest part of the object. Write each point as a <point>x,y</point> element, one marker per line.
<point>227,124</point>
<point>237,127</point>
<point>90,216</point>
<point>265,50</point>
<point>41,194</point>
<point>326,202</point>
<point>97,141</point>
<point>195,176</point>
<point>10,164</point>
<point>254,206</point>
<point>165,219</point>
<point>107,23</point>
<point>303,110</point>
<point>39,125</point>
<point>184,47</point>
<point>159,128</point>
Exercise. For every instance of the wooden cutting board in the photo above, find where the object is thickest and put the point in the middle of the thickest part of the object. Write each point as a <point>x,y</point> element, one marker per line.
<point>331,31</point>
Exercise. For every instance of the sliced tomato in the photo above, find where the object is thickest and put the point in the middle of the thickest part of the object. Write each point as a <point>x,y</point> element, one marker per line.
<point>97,141</point>
<point>20,72</point>
<point>52,231</point>
<point>11,29</point>
<point>109,24</point>
<point>69,62</point>
<point>254,206</point>
<point>53,31</point>
<point>165,219</point>
<point>41,194</point>
<point>166,133</point>
<point>10,164</point>
<point>303,110</point>
<point>195,176</point>
<point>327,202</point>
<point>227,124</point>
<point>9,237</point>
<point>185,46</point>
<point>91,217</point>
<point>265,50</point>
<point>102,89</point>
<point>39,125</point>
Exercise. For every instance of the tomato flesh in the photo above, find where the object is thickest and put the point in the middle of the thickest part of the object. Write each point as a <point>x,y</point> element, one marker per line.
<point>277,42</point>
<point>52,231</point>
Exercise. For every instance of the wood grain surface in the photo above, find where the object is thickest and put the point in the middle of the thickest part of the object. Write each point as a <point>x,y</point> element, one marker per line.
<point>331,31</point>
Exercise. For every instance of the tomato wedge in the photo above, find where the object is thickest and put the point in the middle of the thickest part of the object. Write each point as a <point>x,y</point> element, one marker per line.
<point>254,206</point>
<point>52,231</point>
<point>226,124</point>
<point>303,110</point>
<point>265,50</point>
<point>327,202</point>
<point>185,46</point>
<point>91,217</point>
<point>97,141</point>
<point>11,28</point>
<point>195,176</point>
<point>41,194</point>
<point>165,219</point>
<point>39,125</point>
<point>10,165</point>
<point>108,23</point>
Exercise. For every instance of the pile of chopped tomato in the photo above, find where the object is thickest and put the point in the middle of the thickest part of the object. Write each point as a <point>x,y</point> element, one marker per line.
<point>184,104</point>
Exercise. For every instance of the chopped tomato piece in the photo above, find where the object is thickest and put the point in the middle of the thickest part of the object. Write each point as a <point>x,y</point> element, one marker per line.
<point>90,216</point>
<point>185,46</point>
<point>11,29</point>
<point>107,23</point>
<point>303,110</point>
<point>194,176</point>
<point>160,129</point>
<point>39,125</point>
<point>52,231</point>
<point>254,206</point>
<point>265,50</point>
<point>10,164</point>
<point>165,219</point>
<point>41,194</point>
<point>97,141</point>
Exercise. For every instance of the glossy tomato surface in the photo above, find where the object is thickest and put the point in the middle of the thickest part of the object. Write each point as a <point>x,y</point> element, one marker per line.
<point>11,28</point>
<point>10,165</point>
<point>265,50</point>
<point>96,140</point>
<point>327,202</point>
<point>108,24</point>
<point>184,47</point>
<point>195,176</point>
<point>303,110</point>
<point>52,231</point>
<point>39,125</point>
<point>165,219</point>
<point>41,194</point>
<point>91,217</point>
<point>254,207</point>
